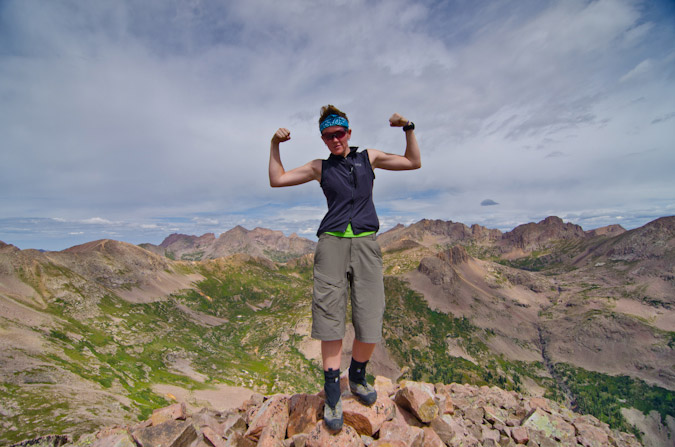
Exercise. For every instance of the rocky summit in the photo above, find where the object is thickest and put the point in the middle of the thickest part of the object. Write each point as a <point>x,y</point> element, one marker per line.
<point>407,414</point>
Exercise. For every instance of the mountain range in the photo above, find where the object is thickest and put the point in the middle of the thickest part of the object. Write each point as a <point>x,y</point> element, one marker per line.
<point>102,333</point>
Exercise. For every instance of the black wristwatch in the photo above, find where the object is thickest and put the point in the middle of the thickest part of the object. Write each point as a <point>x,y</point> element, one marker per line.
<point>409,126</point>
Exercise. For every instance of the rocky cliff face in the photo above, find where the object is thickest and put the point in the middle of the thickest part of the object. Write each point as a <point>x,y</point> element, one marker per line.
<point>437,232</point>
<point>405,415</point>
<point>535,236</point>
<point>260,242</point>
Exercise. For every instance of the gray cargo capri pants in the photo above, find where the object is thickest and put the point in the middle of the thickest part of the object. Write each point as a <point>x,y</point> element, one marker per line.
<point>342,265</point>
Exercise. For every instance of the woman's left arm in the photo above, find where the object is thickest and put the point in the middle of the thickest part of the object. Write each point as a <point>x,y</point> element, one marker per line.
<point>392,162</point>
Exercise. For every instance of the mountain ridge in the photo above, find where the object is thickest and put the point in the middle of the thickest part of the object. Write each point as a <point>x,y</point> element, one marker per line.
<point>119,322</point>
<point>262,242</point>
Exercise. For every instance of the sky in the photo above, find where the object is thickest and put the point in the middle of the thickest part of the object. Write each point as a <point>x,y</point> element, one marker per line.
<point>135,119</point>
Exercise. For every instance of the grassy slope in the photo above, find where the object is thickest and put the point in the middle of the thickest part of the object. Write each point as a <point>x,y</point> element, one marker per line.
<point>127,348</point>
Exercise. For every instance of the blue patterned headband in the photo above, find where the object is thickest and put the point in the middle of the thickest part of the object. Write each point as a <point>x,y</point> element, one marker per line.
<point>334,120</point>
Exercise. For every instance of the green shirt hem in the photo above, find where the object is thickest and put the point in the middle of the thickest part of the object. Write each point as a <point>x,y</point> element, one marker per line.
<point>349,232</point>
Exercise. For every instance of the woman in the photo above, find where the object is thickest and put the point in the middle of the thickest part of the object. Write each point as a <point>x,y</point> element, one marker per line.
<point>347,258</point>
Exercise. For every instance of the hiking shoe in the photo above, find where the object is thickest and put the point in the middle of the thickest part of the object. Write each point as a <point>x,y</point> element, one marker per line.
<point>333,416</point>
<point>366,394</point>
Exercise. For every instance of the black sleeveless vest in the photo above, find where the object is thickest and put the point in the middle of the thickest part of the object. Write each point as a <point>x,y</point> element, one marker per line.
<point>347,183</point>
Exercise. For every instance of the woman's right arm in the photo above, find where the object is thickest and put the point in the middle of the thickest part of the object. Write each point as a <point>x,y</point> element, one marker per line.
<point>279,176</point>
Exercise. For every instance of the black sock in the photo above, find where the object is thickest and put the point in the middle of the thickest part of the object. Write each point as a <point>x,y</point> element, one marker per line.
<point>357,371</point>
<point>332,386</point>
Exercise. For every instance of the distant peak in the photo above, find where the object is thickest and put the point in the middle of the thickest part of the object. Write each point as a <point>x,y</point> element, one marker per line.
<point>552,220</point>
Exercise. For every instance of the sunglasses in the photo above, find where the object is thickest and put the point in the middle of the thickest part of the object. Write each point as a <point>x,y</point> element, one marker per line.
<point>340,134</point>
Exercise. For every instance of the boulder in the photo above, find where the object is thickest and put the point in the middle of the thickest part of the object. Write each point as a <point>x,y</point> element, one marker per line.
<point>411,436</point>
<point>520,435</point>
<point>449,428</point>
<point>367,420</point>
<point>384,385</point>
<point>122,439</point>
<point>444,400</point>
<point>304,413</point>
<point>212,437</point>
<point>431,439</point>
<point>270,422</point>
<point>171,413</point>
<point>551,425</point>
<point>174,433</point>
<point>590,436</point>
<point>322,437</point>
<point>388,443</point>
<point>419,399</point>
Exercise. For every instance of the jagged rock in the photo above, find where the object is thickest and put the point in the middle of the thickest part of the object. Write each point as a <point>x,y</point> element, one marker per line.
<point>474,415</point>
<point>239,440</point>
<point>455,255</point>
<point>123,439</point>
<point>251,407</point>
<point>448,428</point>
<point>403,416</point>
<point>463,396</point>
<point>444,400</point>
<point>623,439</point>
<point>234,423</point>
<point>388,443</point>
<point>212,437</point>
<point>484,416</point>
<point>367,420</point>
<point>419,399</point>
<point>270,422</point>
<point>438,271</point>
<point>299,440</point>
<point>304,413</point>
<point>431,439</point>
<point>466,441</point>
<point>169,434</point>
<point>520,435</point>
<point>170,413</point>
<point>410,436</point>
<point>495,416</point>
<point>489,434</point>
<point>384,385</point>
<point>502,399</point>
<point>321,437</point>
<point>553,426</point>
<point>537,402</point>
<point>590,436</point>
<point>208,418</point>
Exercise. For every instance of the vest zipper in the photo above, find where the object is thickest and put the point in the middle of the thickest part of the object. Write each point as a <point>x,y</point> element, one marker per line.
<point>352,178</point>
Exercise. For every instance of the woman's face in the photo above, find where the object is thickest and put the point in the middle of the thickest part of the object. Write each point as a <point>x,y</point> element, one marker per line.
<point>337,139</point>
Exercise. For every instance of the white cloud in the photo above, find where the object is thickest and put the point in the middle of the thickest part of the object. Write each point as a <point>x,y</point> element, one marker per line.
<point>640,69</point>
<point>96,221</point>
<point>157,115</point>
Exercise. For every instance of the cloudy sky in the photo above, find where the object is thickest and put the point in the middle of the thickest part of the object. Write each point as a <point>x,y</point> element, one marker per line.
<point>136,119</point>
